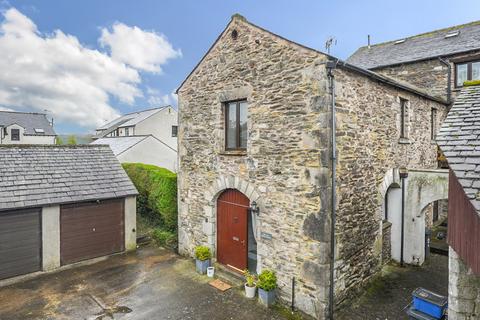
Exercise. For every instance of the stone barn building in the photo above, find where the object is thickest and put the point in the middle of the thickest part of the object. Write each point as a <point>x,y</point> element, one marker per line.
<point>263,156</point>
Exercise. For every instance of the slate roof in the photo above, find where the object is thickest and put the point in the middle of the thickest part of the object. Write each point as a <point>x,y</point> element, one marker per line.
<point>459,139</point>
<point>39,175</point>
<point>420,47</point>
<point>29,121</point>
<point>131,119</point>
<point>120,144</point>
<point>123,143</point>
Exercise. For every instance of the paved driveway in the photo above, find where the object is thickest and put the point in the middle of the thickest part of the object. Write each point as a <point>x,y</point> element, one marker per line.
<point>149,284</point>
<point>386,297</point>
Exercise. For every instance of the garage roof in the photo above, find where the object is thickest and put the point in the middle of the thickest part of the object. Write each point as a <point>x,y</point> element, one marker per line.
<point>38,175</point>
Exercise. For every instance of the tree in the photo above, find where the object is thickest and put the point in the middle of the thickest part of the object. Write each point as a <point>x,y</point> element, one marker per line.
<point>59,140</point>
<point>72,140</point>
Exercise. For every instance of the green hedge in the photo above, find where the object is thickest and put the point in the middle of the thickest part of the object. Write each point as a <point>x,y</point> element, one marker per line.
<point>157,199</point>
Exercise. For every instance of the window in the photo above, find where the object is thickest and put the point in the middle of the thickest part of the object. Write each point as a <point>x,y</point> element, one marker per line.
<point>466,71</point>
<point>15,134</point>
<point>236,125</point>
<point>174,131</point>
<point>403,117</point>
<point>433,123</point>
<point>127,131</point>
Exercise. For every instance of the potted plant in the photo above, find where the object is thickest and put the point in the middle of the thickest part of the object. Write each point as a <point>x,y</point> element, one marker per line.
<point>250,287</point>
<point>267,283</point>
<point>202,256</point>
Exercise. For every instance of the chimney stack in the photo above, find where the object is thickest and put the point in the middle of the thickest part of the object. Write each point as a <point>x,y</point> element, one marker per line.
<point>368,41</point>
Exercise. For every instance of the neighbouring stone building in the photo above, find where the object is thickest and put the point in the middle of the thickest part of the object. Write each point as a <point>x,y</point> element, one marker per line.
<point>459,138</point>
<point>438,61</point>
<point>255,161</point>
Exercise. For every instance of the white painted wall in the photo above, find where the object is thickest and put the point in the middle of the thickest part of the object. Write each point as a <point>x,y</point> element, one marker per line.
<point>151,151</point>
<point>395,218</point>
<point>50,238</point>
<point>160,125</point>
<point>130,223</point>
<point>24,139</point>
<point>422,187</point>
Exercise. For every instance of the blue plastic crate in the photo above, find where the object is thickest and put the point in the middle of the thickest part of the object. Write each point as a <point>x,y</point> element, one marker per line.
<point>429,303</point>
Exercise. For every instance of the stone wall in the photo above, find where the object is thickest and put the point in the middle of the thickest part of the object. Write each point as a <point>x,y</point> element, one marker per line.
<point>368,126</point>
<point>286,166</point>
<point>463,290</point>
<point>430,75</point>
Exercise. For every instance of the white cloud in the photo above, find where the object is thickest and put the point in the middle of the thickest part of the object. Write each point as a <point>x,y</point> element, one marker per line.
<point>56,72</point>
<point>143,50</point>
<point>156,99</point>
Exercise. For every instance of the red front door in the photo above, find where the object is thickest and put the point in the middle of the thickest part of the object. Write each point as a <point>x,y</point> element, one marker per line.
<point>232,242</point>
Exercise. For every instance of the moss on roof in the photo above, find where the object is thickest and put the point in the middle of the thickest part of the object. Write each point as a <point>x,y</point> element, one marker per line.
<point>471,83</point>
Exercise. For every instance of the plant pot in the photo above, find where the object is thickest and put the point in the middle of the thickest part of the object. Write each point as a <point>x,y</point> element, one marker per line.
<point>250,291</point>
<point>202,265</point>
<point>210,272</point>
<point>266,297</point>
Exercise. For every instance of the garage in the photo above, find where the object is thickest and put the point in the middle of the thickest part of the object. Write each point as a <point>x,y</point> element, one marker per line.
<point>90,230</point>
<point>61,205</point>
<point>20,242</point>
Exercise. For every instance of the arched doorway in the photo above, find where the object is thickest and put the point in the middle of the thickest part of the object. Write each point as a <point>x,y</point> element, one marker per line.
<point>236,245</point>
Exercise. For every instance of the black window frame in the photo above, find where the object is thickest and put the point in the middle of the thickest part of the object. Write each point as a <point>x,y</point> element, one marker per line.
<point>15,134</point>
<point>403,118</point>
<point>469,71</point>
<point>174,131</point>
<point>226,106</point>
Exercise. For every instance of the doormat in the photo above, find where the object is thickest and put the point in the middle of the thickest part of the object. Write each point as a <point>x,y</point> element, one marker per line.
<point>220,285</point>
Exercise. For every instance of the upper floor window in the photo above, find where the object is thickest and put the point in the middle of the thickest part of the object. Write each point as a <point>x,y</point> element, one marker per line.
<point>15,134</point>
<point>403,117</point>
<point>174,131</point>
<point>236,125</point>
<point>466,71</point>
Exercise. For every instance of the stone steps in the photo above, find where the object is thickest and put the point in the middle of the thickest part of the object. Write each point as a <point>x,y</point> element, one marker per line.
<point>226,275</point>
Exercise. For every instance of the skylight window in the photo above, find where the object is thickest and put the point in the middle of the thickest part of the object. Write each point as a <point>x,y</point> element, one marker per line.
<point>452,34</point>
<point>39,130</point>
<point>400,41</point>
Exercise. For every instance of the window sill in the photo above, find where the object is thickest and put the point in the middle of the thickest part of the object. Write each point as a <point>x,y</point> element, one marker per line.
<point>233,153</point>
<point>404,141</point>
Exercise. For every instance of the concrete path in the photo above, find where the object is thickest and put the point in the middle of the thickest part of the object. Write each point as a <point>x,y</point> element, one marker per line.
<point>388,295</point>
<point>149,284</point>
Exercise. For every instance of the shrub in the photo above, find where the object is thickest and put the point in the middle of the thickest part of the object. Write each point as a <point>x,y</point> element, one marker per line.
<point>267,280</point>
<point>163,237</point>
<point>202,253</point>
<point>249,278</point>
<point>157,199</point>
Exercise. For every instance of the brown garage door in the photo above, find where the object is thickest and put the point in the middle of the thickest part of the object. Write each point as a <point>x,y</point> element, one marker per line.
<point>20,242</point>
<point>90,230</point>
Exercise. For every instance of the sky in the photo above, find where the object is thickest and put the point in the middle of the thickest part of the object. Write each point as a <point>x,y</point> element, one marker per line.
<point>86,62</point>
